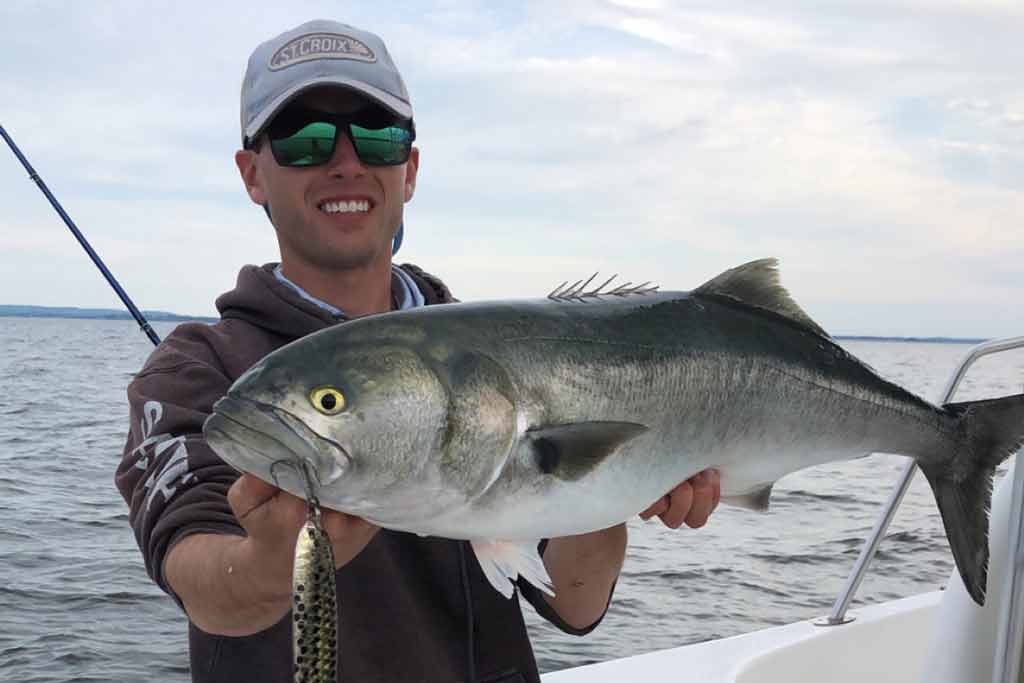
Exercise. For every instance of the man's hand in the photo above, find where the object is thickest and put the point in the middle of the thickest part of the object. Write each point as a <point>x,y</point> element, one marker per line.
<point>237,586</point>
<point>272,518</point>
<point>692,502</point>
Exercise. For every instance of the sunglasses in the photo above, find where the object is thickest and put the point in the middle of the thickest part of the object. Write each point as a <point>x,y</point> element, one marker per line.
<point>305,137</point>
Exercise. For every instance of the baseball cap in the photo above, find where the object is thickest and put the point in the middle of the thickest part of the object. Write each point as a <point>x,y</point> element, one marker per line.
<point>319,52</point>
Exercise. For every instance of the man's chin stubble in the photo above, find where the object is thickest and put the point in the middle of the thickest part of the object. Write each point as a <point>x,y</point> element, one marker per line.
<point>331,258</point>
<point>338,261</point>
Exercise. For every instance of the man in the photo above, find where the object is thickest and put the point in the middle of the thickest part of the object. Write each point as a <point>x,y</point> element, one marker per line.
<point>327,132</point>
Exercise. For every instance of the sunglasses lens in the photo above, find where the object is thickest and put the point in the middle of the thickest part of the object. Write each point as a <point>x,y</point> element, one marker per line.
<point>311,145</point>
<point>387,146</point>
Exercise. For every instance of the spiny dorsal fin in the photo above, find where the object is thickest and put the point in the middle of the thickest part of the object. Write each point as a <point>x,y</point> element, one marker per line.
<point>578,291</point>
<point>757,283</point>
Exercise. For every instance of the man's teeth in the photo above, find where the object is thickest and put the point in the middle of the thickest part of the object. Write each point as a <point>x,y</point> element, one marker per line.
<point>353,206</point>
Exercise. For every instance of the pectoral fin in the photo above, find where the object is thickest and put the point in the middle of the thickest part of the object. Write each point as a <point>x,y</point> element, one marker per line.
<point>505,561</point>
<point>571,451</point>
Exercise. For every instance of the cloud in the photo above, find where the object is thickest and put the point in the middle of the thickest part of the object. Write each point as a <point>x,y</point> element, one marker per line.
<point>851,140</point>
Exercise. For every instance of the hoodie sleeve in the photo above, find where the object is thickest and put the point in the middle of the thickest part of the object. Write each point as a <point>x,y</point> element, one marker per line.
<point>173,482</point>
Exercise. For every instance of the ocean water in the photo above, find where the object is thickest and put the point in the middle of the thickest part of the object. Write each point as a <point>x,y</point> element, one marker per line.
<point>76,604</point>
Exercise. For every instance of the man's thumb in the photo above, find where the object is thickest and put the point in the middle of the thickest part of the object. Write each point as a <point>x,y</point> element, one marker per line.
<point>248,493</point>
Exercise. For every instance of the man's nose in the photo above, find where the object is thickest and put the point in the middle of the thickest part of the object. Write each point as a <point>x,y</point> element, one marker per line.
<point>345,162</point>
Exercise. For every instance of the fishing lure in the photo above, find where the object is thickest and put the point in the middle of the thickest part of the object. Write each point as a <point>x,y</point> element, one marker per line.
<point>314,600</point>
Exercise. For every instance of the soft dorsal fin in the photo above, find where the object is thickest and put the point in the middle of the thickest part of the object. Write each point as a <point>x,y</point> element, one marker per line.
<point>757,283</point>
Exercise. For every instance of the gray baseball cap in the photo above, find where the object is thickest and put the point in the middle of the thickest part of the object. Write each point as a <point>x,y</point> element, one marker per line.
<point>318,53</point>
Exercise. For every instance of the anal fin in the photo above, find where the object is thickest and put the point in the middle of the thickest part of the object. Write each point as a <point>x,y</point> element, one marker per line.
<point>757,499</point>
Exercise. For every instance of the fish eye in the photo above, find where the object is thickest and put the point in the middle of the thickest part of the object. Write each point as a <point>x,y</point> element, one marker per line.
<point>327,400</point>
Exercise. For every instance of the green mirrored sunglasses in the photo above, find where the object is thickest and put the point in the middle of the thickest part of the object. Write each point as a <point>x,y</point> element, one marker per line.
<point>306,137</point>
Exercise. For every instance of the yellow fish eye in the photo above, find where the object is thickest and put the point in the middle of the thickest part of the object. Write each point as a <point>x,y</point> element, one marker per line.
<point>327,400</point>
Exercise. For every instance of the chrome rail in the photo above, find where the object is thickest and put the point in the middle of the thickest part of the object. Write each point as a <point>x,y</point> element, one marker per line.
<point>838,615</point>
<point>1006,665</point>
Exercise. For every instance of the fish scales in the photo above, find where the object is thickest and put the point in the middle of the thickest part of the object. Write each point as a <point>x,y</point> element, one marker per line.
<point>683,379</point>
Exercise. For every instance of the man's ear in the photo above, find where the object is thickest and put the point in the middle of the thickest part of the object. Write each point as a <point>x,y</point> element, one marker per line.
<point>246,160</point>
<point>411,168</point>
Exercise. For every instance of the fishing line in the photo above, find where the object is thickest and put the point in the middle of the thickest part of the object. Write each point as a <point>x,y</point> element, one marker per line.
<point>136,313</point>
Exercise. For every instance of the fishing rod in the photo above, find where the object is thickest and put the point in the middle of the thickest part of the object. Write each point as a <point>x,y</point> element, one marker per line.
<point>136,313</point>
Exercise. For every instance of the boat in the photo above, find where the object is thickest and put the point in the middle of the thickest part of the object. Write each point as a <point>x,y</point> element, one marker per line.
<point>940,636</point>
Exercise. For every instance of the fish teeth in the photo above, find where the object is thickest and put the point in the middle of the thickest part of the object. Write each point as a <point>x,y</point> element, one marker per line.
<point>352,206</point>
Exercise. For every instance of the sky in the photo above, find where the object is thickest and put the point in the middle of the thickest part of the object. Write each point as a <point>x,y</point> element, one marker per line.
<point>875,148</point>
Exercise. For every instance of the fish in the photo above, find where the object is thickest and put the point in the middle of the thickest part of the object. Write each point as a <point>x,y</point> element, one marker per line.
<point>314,604</point>
<point>505,422</point>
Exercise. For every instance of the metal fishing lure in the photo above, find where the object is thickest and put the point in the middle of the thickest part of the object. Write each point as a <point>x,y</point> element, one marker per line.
<point>314,599</point>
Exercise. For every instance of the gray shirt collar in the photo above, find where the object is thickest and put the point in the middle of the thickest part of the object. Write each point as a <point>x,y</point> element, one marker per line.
<point>403,286</point>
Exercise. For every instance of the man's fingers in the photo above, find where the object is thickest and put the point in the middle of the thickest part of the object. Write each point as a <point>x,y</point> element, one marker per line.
<point>680,502</point>
<point>340,525</point>
<point>261,508</point>
<point>349,534</point>
<point>691,502</point>
<point>703,499</point>
<point>249,493</point>
<point>656,509</point>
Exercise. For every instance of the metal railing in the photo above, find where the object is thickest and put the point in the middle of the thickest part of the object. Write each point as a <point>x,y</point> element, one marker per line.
<point>838,614</point>
<point>1006,665</point>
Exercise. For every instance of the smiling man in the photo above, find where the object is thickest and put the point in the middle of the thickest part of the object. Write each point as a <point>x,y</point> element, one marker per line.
<point>335,170</point>
<point>327,151</point>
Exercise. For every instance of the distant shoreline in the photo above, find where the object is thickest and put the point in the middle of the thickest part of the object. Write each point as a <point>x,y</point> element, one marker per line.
<point>918,340</point>
<point>73,313</point>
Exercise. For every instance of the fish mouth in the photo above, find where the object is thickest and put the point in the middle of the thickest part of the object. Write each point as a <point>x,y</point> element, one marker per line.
<point>274,445</point>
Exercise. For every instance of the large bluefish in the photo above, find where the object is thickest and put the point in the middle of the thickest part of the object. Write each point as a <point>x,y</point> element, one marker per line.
<point>510,421</point>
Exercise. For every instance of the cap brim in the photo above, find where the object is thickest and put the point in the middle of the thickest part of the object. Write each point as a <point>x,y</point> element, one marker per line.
<point>396,105</point>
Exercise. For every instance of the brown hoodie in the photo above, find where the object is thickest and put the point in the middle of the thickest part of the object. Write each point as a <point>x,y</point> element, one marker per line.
<point>411,609</point>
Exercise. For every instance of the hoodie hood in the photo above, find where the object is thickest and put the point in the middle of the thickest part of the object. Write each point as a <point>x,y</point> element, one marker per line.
<point>261,299</point>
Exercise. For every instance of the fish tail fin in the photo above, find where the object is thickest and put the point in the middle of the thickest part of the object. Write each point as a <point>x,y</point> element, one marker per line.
<point>990,431</point>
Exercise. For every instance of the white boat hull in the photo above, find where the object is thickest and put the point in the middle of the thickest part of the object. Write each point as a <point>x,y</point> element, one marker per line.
<point>886,642</point>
